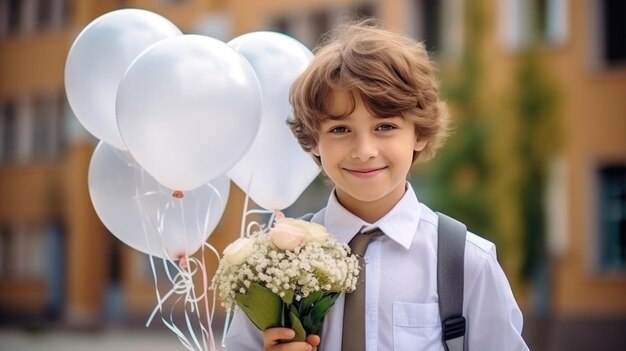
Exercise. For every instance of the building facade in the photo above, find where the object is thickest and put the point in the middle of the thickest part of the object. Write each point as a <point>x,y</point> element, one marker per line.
<point>57,260</point>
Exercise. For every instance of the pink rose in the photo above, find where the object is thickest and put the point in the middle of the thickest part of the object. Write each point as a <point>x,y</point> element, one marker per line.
<point>287,236</point>
<point>313,232</point>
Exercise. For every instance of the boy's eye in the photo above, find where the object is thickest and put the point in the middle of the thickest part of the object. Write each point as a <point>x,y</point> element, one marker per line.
<point>385,127</point>
<point>338,130</point>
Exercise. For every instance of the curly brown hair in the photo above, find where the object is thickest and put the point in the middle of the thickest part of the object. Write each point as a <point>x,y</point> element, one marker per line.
<point>391,73</point>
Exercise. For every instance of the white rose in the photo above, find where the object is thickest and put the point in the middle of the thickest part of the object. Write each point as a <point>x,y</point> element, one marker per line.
<point>238,251</point>
<point>317,232</point>
<point>313,232</point>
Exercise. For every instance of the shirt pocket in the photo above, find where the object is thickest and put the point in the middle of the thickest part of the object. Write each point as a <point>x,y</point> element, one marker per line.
<point>416,326</point>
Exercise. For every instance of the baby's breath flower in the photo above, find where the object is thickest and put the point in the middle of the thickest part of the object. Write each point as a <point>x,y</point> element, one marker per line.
<point>320,264</point>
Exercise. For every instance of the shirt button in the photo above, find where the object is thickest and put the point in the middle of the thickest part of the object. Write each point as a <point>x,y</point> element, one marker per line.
<point>366,260</point>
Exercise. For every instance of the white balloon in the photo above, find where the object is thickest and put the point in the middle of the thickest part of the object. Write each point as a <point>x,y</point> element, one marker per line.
<point>188,108</point>
<point>98,59</point>
<point>275,170</point>
<point>143,214</point>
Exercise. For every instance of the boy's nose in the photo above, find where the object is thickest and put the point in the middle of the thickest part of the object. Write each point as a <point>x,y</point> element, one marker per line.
<point>364,148</point>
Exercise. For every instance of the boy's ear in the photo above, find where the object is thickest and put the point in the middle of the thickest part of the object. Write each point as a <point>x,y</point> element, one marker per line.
<point>420,145</point>
<point>315,150</point>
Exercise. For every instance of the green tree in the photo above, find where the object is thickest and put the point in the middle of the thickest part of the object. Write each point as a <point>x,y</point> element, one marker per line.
<point>535,102</point>
<point>458,179</point>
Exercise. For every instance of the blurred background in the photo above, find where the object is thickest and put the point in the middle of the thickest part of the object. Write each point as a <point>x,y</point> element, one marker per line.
<point>536,162</point>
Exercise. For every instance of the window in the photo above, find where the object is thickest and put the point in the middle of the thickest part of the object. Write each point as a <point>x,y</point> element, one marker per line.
<point>20,17</point>
<point>309,27</point>
<point>612,216</point>
<point>48,116</point>
<point>22,251</point>
<point>613,22</point>
<point>14,12</point>
<point>60,122</point>
<point>432,11</point>
<point>4,251</point>
<point>321,23</point>
<point>608,25</point>
<point>215,24</point>
<point>40,130</point>
<point>32,129</point>
<point>50,14</point>
<point>35,255</point>
<point>528,22</point>
<point>44,13</point>
<point>424,22</point>
<point>551,21</point>
<point>304,27</point>
<point>8,132</point>
<point>363,11</point>
<point>541,15</point>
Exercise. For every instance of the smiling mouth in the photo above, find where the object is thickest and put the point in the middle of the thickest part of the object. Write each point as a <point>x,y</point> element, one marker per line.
<point>365,172</point>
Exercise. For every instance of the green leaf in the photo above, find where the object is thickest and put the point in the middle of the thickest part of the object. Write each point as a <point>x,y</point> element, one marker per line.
<point>319,311</point>
<point>325,304</point>
<point>313,297</point>
<point>296,325</point>
<point>308,302</point>
<point>261,305</point>
<point>308,324</point>
<point>288,298</point>
<point>312,309</point>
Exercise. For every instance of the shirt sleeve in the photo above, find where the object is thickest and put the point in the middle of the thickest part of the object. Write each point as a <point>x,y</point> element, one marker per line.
<point>493,317</point>
<point>242,335</point>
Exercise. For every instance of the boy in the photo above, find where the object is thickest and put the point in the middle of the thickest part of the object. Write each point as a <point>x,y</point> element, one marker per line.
<point>366,108</point>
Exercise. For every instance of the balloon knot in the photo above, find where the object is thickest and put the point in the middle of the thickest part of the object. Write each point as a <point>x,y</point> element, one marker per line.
<point>183,262</point>
<point>279,215</point>
<point>178,194</point>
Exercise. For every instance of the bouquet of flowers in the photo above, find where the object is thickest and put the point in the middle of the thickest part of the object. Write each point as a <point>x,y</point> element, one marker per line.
<point>286,276</point>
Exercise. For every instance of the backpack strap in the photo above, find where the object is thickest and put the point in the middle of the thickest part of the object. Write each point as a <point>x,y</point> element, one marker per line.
<point>307,217</point>
<point>450,275</point>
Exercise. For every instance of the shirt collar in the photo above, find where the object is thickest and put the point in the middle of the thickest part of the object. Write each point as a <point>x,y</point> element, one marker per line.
<point>399,224</point>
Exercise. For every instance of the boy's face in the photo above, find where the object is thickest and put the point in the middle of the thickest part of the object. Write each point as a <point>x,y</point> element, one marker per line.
<point>366,157</point>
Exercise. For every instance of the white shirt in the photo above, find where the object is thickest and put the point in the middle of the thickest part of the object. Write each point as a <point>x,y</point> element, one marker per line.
<point>402,311</point>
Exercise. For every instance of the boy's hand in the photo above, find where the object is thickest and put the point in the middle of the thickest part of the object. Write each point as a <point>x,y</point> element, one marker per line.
<point>273,337</point>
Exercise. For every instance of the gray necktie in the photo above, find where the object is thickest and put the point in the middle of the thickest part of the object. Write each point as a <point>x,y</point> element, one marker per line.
<point>354,309</point>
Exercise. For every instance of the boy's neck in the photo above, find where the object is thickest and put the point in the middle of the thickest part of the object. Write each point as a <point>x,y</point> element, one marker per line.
<point>370,211</point>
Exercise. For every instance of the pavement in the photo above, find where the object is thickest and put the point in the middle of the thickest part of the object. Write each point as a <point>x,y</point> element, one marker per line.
<point>541,334</point>
<point>118,339</point>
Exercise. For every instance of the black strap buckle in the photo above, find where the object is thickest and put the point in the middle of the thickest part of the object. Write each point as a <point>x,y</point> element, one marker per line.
<point>453,328</point>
